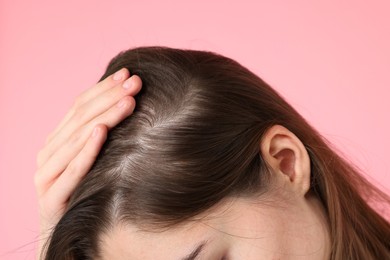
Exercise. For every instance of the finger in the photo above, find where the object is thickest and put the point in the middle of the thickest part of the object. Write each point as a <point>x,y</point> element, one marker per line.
<point>89,111</point>
<point>89,94</point>
<point>104,85</point>
<point>65,184</point>
<point>60,160</point>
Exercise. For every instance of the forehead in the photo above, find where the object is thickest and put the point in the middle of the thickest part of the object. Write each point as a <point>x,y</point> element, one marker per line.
<point>238,218</point>
<point>128,242</point>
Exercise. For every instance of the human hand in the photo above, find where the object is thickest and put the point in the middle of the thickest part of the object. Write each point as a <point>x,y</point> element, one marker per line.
<point>71,149</point>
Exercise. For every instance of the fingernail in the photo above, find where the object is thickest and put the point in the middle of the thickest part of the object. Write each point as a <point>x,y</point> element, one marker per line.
<point>95,132</point>
<point>118,75</point>
<point>121,103</point>
<point>128,83</point>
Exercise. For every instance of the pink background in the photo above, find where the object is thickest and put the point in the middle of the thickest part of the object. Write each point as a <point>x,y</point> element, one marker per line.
<point>330,59</point>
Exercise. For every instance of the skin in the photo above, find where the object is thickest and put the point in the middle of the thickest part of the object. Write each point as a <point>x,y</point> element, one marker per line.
<point>71,149</point>
<point>287,223</point>
<point>239,229</point>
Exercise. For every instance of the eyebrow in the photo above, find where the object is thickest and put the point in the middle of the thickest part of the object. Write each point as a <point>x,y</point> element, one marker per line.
<point>193,255</point>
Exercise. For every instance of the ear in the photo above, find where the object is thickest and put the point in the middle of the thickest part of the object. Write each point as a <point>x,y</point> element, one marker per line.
<point>287,156</point>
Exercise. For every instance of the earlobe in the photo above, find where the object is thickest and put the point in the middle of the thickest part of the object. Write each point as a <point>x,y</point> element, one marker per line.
<point>286,155</point>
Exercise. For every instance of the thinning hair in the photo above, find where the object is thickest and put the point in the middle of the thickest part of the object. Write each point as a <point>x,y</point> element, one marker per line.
<point>192,141</point>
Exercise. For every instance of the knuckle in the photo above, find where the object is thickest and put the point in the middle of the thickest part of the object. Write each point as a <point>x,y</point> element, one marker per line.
<point>74,138</point>
<point>78,114</point>
<point>77,102</point>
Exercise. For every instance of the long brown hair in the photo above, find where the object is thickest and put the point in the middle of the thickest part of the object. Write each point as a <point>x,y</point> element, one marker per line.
<point>192,141</point>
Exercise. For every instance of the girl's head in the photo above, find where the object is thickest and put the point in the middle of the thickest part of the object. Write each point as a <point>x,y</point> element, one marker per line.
<point>215,162</point>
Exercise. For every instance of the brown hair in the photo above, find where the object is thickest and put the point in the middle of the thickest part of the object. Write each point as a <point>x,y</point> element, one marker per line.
<point>192,141</point>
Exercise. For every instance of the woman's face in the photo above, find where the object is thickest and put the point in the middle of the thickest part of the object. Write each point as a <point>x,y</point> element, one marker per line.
<point>283,227</point>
